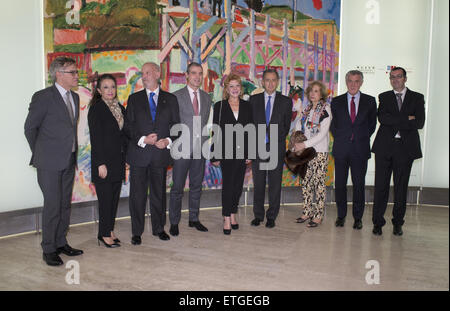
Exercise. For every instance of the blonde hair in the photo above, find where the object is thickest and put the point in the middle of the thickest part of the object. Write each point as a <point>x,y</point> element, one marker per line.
<point>323,90</point>
<point>226,83</point>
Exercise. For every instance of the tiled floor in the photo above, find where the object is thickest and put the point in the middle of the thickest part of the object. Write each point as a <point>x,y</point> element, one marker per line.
<point>287,257</point>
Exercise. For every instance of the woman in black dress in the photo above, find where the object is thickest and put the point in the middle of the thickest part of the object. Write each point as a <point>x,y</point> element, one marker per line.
<point>108,145</point>
<point>232,110</point>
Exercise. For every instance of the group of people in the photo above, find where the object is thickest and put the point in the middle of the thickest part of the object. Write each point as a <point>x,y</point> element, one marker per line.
<point>139,138</point>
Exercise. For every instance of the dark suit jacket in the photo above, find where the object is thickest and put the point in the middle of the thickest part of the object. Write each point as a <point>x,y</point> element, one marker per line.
<point>392,120</point>
<point>362,129</point>
<point>140,123</point>
<point>108,143</point>
<point>281,115</point>
<point>49,130</point>
<point>223,111</point>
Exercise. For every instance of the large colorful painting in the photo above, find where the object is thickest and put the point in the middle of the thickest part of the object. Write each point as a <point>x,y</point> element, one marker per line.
<point>300,38</point>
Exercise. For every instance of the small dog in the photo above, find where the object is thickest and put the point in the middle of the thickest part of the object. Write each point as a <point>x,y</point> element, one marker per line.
<point>297,161</point>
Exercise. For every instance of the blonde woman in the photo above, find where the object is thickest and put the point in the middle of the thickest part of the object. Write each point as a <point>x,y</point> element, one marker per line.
<point>315,123</point>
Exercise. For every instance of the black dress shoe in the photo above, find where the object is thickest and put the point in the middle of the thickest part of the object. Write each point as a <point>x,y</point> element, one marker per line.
<point>52,259</point>
<point>358,224</point>
<point>377,230</point>
<point>69,251</point>
<point>163,236</point>
<point>174,230</point>
<point>398,230</point>
<point>270,223</point>
<point>198,226</point>
<point>136,240</point>
<point>340,222</point>
<point>116,240</point>
<point>255,222</point>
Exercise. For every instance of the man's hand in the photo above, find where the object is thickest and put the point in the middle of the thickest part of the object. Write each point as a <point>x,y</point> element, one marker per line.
<point>150,139</point>
<point>411,118</point>
<point>102,171</point>
<point>162,143</point>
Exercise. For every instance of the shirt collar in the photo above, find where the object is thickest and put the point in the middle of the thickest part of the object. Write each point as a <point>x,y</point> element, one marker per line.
<point>266,95</point>
<point>154,91</point>
<point>357,96</point>
<point>61,90</point>
<point>401,92</point>
<point>191,90</point>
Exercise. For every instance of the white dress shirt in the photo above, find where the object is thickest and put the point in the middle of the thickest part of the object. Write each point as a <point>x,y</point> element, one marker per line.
<point>403,92</point>
<point>191,94</point>
<point>155,99</point>
<point>349,101</point>
<point>272,101</point>
<point>63,93</point>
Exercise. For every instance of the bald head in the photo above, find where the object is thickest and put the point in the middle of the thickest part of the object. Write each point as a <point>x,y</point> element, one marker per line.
<point>151,74</point>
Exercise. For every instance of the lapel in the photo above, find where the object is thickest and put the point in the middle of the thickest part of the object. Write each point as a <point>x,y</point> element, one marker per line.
<point>346,109</point>
<point>276,108</point>
<point>187,100</point>
<point>161,105</point>
<point>109,114</point>
<point>76,101</point>
<point>204,109</point>
<point>143,99</point>
<point>261,109</point>
<point>406,100</point>
<point>361,107</point>
<point>61,105</point>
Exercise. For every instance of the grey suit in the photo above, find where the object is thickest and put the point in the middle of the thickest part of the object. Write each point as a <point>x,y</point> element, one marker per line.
<point>194,166</point>
<point>51,135</point>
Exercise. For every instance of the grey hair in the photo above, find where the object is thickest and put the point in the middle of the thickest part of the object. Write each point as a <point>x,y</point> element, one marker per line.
<point>59,63</point>
<point>154,65</point>
<point>354,72</point>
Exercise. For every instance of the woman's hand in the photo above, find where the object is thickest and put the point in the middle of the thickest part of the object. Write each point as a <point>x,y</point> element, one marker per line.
<point>102,171</point>
<point>248,162</point>
<point>215,163</point>
<point>299,147</point>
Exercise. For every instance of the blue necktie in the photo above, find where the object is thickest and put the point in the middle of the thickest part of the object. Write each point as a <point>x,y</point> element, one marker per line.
<point>268,106</point>
<point>152,105</point>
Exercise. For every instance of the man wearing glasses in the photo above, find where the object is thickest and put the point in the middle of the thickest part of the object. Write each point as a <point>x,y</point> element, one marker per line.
<point>401,114</point>
<point>51,131</point>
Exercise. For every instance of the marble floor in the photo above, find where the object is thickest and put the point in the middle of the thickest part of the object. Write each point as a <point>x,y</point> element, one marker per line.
<point>288,257</point>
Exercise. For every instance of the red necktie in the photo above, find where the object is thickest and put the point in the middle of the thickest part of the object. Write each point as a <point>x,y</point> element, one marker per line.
<point>353,109</point>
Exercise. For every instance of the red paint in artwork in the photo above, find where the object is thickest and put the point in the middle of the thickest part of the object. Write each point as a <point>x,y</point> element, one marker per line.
<point>317,4</point>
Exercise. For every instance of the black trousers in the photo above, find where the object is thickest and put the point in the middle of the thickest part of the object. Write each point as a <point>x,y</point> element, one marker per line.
<point>400,164</point>
<point>57,189</point>
<point>108,194</point>
<point>233,173</point>
<point>358,168</point>
<point>259,183</point>
<point>141,178</point>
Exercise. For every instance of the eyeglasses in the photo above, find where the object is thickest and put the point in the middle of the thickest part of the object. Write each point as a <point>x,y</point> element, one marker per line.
<point>73,72</point>
<point>396,77</point>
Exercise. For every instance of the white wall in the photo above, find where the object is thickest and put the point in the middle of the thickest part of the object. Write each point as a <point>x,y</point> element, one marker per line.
<point>401,38</point>
<point>379,33</point>
<point>21,63</point>
<point>435,173</point>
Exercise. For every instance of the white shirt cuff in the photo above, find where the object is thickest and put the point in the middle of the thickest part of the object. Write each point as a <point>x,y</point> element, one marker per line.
<point>141,142</point>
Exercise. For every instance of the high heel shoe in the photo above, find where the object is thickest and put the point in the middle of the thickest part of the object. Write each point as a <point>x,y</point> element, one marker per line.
<point>114,245</point>
<point>226,231</point>
<point>234,226</point>
<point>116,240</point>
<point>301,220</point>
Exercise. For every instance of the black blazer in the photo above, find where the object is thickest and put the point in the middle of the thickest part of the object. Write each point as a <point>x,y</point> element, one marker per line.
<point>362,129</point>
<point>223,111</point>
<point>108,143</point>
<point>140,123</point>
<point>49,131</point>
<point>281,115</point>
<point>392,120</point>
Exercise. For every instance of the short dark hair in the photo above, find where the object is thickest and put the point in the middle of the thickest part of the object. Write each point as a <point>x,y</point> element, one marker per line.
<point>96,97</point>
<point>193,64</point>
<point>400,68</point>
<point>270,70</point>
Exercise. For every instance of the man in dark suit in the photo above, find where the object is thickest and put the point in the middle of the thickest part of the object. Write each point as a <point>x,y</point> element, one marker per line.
<point>51,131</point>
<point>401,113</point>
<point>195,107</point>
<point>150,113</point>
<point>354,121</point>
<point>269,108</point>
